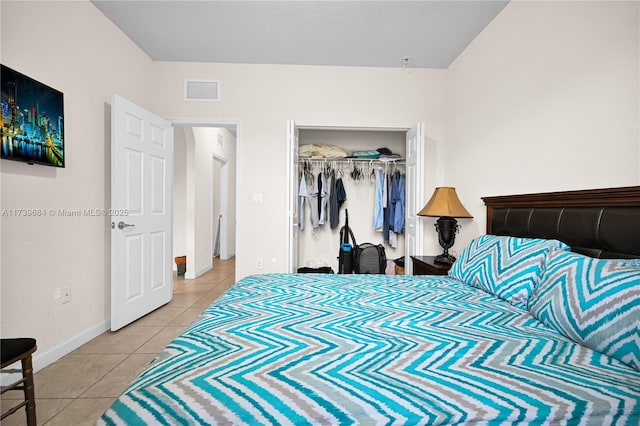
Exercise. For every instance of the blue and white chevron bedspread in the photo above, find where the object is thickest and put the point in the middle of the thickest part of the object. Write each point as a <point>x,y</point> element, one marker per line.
<point>370,349</point>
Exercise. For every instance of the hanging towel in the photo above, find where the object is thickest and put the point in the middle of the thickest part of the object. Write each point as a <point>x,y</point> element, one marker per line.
<point>303,196</point>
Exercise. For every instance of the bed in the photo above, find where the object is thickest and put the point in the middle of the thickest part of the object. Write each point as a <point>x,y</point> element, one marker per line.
<point>538,322</point>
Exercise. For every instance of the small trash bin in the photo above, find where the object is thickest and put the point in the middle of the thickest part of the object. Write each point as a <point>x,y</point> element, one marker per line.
<point>181,263</point>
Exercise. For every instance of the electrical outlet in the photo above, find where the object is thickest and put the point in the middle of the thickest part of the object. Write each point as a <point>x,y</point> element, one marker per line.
<point>259,263</point>
<point>65,295</point>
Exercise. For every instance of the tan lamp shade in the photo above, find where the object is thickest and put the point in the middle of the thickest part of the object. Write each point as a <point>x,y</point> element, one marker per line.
<point>444,202</point>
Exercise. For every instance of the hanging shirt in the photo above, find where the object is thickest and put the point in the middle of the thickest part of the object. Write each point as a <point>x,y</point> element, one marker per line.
<point>385,190</point>
<point>322,199</point>
<point>393,239</point>
<point>388,211</point>
<point>313,204</point>
<point>378,214</point>
<point>334,218</point>
<point>303,196</point>
<point>319,181</point>
<point>397,197</point>
<point>342,194</point>
<point>336,199</point>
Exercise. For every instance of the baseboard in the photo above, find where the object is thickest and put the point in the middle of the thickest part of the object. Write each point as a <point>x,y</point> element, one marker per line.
<point>40,361</point>
<point>43,359</point>
<point>194,275</point>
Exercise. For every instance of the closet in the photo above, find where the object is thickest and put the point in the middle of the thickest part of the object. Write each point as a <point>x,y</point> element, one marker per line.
<point>318,246</point>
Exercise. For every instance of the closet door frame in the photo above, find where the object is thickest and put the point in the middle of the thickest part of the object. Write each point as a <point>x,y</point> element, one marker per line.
<point>292,224</point>
<point>414,195</point>
<point>415,141</point>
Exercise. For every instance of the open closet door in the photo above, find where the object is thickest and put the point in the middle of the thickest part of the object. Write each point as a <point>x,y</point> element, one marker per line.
<point>414,199</point>
<point>292,198</point>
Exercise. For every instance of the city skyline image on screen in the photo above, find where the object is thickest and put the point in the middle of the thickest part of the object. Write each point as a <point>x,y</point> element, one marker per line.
<point>31,120</point>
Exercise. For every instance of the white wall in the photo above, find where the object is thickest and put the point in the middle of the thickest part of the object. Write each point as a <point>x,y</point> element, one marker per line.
<point>546,98</point>
<point>72,47</point>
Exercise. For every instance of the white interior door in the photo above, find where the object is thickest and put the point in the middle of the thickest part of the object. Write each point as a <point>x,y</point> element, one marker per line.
<point>141,185</point>
<point>292,199</point>
<point>414,199</point>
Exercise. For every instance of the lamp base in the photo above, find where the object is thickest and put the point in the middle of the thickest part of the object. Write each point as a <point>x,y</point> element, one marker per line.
<point>444,259</point>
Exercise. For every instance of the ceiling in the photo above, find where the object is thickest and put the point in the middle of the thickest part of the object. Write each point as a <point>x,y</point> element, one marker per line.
<point>430,33</point>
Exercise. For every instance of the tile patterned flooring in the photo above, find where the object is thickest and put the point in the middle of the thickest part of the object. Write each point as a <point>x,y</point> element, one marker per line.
<point>79,387</point>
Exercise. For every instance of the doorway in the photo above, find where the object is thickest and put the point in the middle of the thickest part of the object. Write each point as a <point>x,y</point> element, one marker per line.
<point>204,192</point>
<point>414,141</point>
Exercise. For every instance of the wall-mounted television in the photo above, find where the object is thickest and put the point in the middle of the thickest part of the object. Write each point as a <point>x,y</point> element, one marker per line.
<point>31,120</point>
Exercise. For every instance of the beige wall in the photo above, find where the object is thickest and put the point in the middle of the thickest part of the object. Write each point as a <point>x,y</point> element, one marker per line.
<point>205,148</point>
<point>73,48</point>
<point>263,97</point>
<point>546,98</point>
<point>180,191</point>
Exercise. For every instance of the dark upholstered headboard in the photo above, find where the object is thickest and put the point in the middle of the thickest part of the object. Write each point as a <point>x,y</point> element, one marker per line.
<point>602,223</point>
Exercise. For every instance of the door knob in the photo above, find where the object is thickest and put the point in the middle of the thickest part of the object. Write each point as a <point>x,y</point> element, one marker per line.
<point>122,225</point>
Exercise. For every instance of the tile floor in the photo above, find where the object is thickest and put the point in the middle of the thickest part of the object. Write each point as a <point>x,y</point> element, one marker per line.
<point>79,387</point>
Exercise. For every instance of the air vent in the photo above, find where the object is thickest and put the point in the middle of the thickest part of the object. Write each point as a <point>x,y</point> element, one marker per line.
<point>201,90</point>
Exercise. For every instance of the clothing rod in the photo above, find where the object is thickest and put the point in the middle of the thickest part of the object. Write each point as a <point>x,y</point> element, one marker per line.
<point>351,160</point>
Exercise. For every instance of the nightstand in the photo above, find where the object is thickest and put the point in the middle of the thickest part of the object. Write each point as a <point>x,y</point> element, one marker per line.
<point>424,265</point>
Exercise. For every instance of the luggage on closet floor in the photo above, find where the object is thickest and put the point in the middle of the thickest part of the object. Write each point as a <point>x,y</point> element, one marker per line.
<point>365,258</point>
<point>369,259</point>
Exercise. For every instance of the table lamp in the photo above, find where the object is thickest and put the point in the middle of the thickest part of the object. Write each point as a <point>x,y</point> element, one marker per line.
<point>445,205</point>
